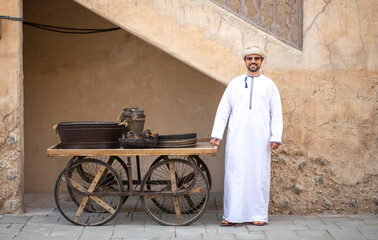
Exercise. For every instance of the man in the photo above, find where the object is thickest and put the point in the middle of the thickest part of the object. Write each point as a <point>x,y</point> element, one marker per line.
<point>252,106</point>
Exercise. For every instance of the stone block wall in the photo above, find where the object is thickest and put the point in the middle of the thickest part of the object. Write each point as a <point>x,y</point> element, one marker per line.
<point>11,110</point>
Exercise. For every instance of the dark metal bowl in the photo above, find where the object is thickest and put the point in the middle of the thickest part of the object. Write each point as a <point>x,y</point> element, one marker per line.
<point>138,142</point>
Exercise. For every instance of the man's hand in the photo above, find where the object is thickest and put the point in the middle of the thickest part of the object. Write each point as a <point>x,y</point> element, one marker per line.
<point>215,141</point>
<point>274,145</point>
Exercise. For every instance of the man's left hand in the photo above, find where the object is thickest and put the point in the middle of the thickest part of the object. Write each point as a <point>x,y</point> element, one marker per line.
<point>274,145</point>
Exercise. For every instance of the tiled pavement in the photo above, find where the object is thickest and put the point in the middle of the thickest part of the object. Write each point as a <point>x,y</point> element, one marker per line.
<point>43,221</point>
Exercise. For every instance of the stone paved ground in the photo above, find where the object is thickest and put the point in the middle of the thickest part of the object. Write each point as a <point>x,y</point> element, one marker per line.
<point>43,221</point>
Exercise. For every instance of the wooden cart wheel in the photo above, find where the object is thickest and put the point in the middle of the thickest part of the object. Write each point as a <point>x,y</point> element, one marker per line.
<point>88,210</point>
<point>199,162</point>
<point>170,176</point>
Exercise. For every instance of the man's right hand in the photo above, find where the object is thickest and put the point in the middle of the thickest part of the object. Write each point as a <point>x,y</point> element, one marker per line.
<point>215,141</point>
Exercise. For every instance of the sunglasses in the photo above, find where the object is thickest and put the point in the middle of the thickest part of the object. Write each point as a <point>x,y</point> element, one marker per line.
<point>251,58</point>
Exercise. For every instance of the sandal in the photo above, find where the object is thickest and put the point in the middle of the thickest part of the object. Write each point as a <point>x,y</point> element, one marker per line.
<point>226,223</point>
<point>259,223</point>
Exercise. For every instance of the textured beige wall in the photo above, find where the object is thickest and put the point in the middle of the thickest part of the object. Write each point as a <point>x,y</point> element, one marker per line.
<point>328,160</point>
<point>338,34</point>
<point>11,110</point>
<point>92,77</point>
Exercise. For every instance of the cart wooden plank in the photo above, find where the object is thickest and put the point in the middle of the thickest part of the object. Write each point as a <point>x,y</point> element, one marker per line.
<point>203,148</point>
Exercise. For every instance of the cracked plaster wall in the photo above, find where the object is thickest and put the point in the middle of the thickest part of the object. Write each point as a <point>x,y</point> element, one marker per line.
<point>11,110</point>
<point>328,162</point>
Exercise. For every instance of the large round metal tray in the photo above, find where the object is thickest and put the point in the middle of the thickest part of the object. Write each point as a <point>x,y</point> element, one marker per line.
<point>177,146</point>
<point>177,140</point>
<point>178,136</point>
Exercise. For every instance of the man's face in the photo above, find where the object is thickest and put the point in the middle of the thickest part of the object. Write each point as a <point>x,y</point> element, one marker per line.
<point>253,62</point>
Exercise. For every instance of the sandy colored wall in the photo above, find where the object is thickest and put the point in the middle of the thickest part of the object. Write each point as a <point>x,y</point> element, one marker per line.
<point>327,162</point>
<point>11,110</point>
<point>338,34</point>
<point>92,77</point>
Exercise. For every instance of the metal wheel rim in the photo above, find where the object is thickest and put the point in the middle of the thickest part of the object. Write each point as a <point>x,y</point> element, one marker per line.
<point>118,165</point>
<point>68,201</point>
<point>192,206</point>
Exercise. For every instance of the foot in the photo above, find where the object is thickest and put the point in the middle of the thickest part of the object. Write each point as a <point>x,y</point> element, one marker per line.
<point>226,223</point>
<point>259,223</point>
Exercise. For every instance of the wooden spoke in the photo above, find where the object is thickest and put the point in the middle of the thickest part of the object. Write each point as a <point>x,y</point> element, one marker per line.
<point>81,207</point>
<point>95,180</point>
<point>196,190</point>
<point>96,199</point>
<point>174,189</point>
<point>91,188</point>
<point>75,184</point>
<point>83,202</point>
<point>103,204</point>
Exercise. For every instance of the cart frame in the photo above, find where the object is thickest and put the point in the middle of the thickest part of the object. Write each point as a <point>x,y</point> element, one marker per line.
<point>191,154</point>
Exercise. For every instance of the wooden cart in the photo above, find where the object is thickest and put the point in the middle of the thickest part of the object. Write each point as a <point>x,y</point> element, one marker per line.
<point>174,191</point>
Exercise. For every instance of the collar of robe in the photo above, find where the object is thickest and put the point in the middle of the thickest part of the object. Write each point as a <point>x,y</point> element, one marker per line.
<point>245,80</point>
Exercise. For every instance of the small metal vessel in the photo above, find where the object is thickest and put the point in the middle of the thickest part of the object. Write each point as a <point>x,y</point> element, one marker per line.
<point>133,119</point>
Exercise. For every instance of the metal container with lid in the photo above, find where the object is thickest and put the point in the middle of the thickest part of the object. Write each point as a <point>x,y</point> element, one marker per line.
<point>133,119</point>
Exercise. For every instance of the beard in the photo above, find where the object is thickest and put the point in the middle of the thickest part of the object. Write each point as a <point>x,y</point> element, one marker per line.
<point>253,69</point>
